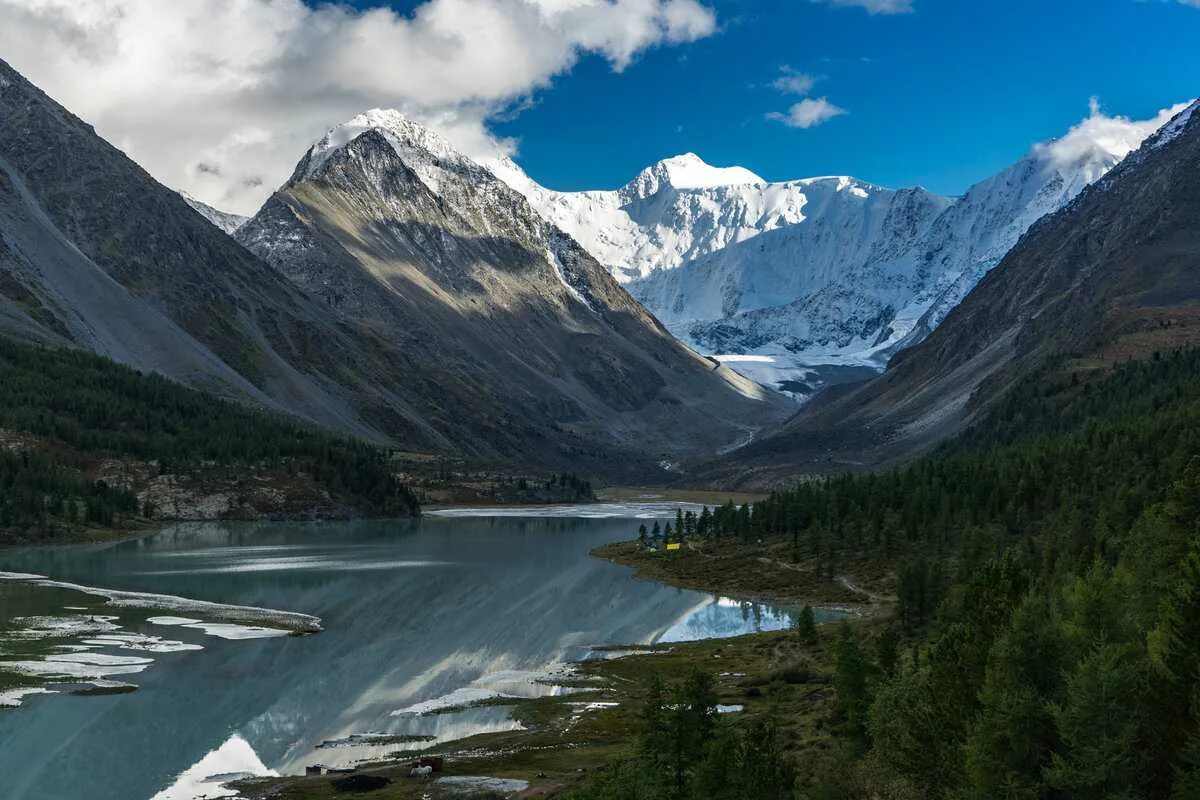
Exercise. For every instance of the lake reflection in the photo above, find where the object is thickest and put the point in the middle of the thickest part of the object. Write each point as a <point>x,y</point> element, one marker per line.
<point>413,612</point>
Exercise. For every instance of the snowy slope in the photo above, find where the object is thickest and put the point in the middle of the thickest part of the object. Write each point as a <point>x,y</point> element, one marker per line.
<point>824,270</point>
<point>222,219</point>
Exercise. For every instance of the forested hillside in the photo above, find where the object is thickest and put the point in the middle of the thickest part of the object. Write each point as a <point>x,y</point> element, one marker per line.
<point>68,419</point>
<point>1046,640</point>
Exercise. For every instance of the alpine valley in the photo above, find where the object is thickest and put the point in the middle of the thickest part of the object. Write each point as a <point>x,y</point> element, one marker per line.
<point>428,482</point>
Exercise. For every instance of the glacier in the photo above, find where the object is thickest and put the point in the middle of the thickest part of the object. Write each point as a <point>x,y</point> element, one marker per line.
<point>802,283</point>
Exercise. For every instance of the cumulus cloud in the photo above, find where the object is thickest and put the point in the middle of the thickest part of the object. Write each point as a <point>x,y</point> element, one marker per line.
<point>221,97</point>
<point>791,81</point>
<point>886,6</point>
<point>1100,135</point>
<point>808,113</point>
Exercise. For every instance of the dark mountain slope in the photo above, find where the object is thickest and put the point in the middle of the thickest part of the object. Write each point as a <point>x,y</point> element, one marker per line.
<point>96,253</point>
<point>1114,275</point>
<point>427,321</point>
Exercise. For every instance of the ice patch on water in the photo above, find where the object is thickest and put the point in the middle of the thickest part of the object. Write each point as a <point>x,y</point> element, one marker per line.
<point>12,698</point>
<point>54,627</point>
<point>730,709</point>
<point>169,620</point>
<point>249,615</point>
<point>80,657</point>
<point>222,630</point>
<point>509,684</point>
<point>101,659</point>
<point>608,654</point>
<point>60,667</point>
<point>142,642</point>
<point>228,630</point>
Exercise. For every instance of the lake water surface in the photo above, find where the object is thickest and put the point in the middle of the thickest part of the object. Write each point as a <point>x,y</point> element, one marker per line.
<point>440,612</point>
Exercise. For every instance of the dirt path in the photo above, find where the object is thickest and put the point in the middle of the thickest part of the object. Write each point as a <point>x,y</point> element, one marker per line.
<point>850,586</point>
<point>786,565</point>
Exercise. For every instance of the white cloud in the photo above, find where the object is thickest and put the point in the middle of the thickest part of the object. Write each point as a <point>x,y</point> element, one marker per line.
<point>885,6</point>
<point>808,113</point>
<point>221,97</point>
<point>791,81</point>
<point>1100,134</point>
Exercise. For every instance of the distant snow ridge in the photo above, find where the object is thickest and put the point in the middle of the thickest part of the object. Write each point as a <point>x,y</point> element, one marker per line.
<point>821,271</point>
<point>222,219</point>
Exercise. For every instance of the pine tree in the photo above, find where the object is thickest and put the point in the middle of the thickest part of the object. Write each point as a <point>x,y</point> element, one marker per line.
<point>1010,743</point>
<point>850,682</point>
<point>1099,724</point>
<point>887,651</point>
<point>765,772</point>
<point>806,626</point>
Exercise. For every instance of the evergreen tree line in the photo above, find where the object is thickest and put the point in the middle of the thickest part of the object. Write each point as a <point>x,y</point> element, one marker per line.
<point>1084,456</point>
<point>1036,678</point>
<point>1047,641</point>
<point>684,751</point>
<point>37,490</point>
<point>87,407</point>
<point>578,487</point>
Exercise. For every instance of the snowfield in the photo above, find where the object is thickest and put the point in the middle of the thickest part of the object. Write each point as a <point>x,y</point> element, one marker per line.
<point>819,271</point>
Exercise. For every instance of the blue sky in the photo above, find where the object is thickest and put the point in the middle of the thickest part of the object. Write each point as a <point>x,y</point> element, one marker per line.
<point>941,97</point>
<point>221,99</point>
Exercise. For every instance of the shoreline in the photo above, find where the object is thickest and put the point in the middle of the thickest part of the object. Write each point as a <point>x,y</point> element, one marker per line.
<point>744,576</point>
<point>563,739</point>
<point>566,738</point>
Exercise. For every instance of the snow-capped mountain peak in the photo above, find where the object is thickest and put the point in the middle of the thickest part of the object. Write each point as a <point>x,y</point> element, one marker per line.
<point>399,128</point>
<point>422,149</point>
<point>821,271</point>
<point>1176,126</point>
<point>686,171</point>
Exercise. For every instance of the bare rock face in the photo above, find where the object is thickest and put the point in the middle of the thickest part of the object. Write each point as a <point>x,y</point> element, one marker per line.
<point>406,297</point>
<point>1113,275</point>
<point>94,253</point>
